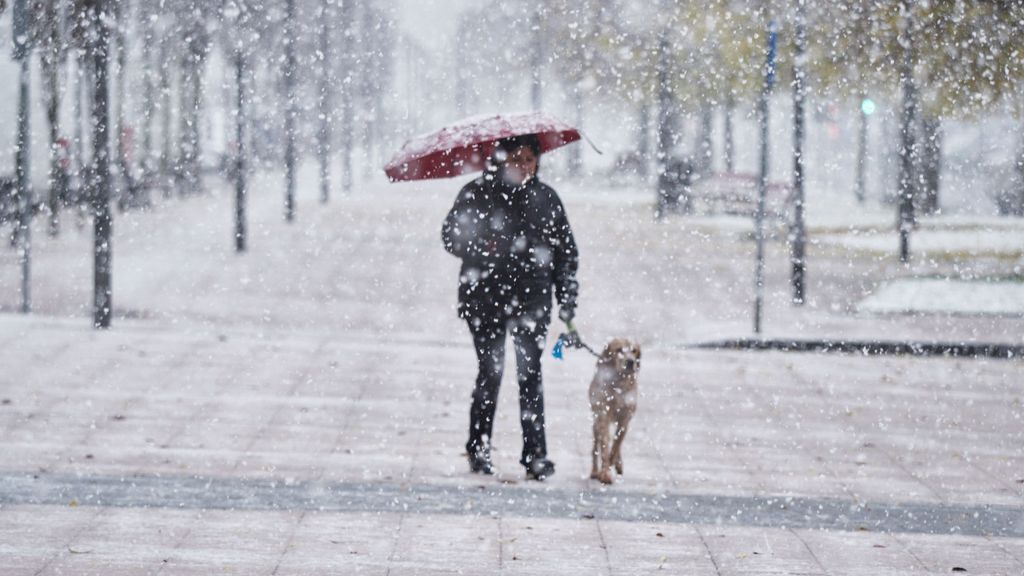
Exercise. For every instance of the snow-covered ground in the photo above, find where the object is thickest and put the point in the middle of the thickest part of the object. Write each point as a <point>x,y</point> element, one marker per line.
<point>944,296</point>
<point>1004,242</point>
<point>328,360</point>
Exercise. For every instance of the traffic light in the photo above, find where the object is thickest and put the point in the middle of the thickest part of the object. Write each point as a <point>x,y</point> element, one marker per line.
<point>867,106</point>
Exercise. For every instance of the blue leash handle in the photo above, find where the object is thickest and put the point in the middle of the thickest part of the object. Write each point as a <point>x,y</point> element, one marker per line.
<point>557,350</point>
<point>572,341</point>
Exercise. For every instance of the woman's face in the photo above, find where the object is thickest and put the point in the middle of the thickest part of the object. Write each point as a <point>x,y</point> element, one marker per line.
<point>520,166</point>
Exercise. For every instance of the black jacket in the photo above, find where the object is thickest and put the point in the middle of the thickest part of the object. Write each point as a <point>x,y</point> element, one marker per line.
<point>515,245</point>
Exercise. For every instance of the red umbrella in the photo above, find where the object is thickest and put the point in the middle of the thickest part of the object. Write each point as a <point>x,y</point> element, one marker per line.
<point>465,146</point>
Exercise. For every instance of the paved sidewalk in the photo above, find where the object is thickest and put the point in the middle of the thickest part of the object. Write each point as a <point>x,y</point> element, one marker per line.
<point>135,541</point>
<point>301,410</point>
<point>306,455</point>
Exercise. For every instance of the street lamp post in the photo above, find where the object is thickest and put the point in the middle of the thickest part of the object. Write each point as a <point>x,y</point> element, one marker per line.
<point>867,107</point>
<point>233,15</point>
<point>762,181</point>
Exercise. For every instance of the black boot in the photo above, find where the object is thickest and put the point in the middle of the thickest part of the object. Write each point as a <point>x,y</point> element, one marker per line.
<point>480,462</point>
<point>540,469</point>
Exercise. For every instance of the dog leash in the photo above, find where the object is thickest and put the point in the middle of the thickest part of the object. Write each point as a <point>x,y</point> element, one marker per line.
<point>572,340</point>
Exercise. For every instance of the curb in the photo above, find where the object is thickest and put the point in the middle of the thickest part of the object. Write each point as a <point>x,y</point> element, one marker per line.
<point>873,348</point>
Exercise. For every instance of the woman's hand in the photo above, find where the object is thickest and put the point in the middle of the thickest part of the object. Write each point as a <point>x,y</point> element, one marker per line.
<point>566,314</point>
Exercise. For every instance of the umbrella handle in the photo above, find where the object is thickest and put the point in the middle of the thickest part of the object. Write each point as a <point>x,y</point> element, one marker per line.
<point>589,141</point>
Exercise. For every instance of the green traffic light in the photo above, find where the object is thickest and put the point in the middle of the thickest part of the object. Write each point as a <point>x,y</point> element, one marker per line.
<point>867,106</point>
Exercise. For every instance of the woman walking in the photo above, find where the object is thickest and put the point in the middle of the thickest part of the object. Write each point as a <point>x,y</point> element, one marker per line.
<point>517,251</point>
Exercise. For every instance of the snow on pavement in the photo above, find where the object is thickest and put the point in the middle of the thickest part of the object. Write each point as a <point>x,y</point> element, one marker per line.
<point>330,354</point>
<point>945,296</point>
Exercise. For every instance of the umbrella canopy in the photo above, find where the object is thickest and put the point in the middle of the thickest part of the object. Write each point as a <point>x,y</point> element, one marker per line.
<point>466,145</point>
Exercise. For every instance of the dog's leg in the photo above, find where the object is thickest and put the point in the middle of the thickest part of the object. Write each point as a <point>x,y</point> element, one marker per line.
<point>601,445</point>
<point>595,453</point>
<point>621,425</point>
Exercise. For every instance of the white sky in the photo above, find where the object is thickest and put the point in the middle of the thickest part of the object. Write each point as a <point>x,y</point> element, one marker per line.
<point>429,20</point>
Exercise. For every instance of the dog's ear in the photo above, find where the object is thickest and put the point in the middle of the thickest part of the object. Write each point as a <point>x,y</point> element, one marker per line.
<point>636,350</point>
<point>608,354</point>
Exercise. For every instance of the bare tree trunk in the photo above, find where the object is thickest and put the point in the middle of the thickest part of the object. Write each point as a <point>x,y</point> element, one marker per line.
<point>51,66</point>
<point>378,137</point>
<point>931,164</point>
<point>537,57</point>
<point>643,146</point>
<point>705,151</point>
<point>241,234</point>
<point>370,143</point>
<point>166,120</point>
<point>347,107</point>
<point>182,166</point>
<point>74,90</point>
<point>23,176</point>
<point>1020,170</point>
<point>103,221</point>
<point>123,132</point>
<point>325,100</point>
<point>82,164</point>
<point>192,101</point>
<point>907,136</point>
<point>291,112</point>
<point>798,229</point>
<point>149,82</point>
<point>729,150</point>
<point>367,44</point>
<point>193,176</point>
<point>665,128</point>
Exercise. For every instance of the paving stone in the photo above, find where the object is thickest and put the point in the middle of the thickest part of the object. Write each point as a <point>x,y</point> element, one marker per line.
<point>330,543</point>
<point>747,551</point>
<point>531,547</point>
<point>863,553</point>
<point>650,548</point>
<point>307,363</point>
<point>942,555</point>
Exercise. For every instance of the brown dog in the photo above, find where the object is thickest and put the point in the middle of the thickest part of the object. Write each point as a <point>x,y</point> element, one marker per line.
<point>613,400</point>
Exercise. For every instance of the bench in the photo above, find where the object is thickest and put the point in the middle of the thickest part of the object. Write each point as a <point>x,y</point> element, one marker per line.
<point>736,194</point>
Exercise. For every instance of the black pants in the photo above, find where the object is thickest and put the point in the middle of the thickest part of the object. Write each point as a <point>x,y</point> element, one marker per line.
<point>528,332</point>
